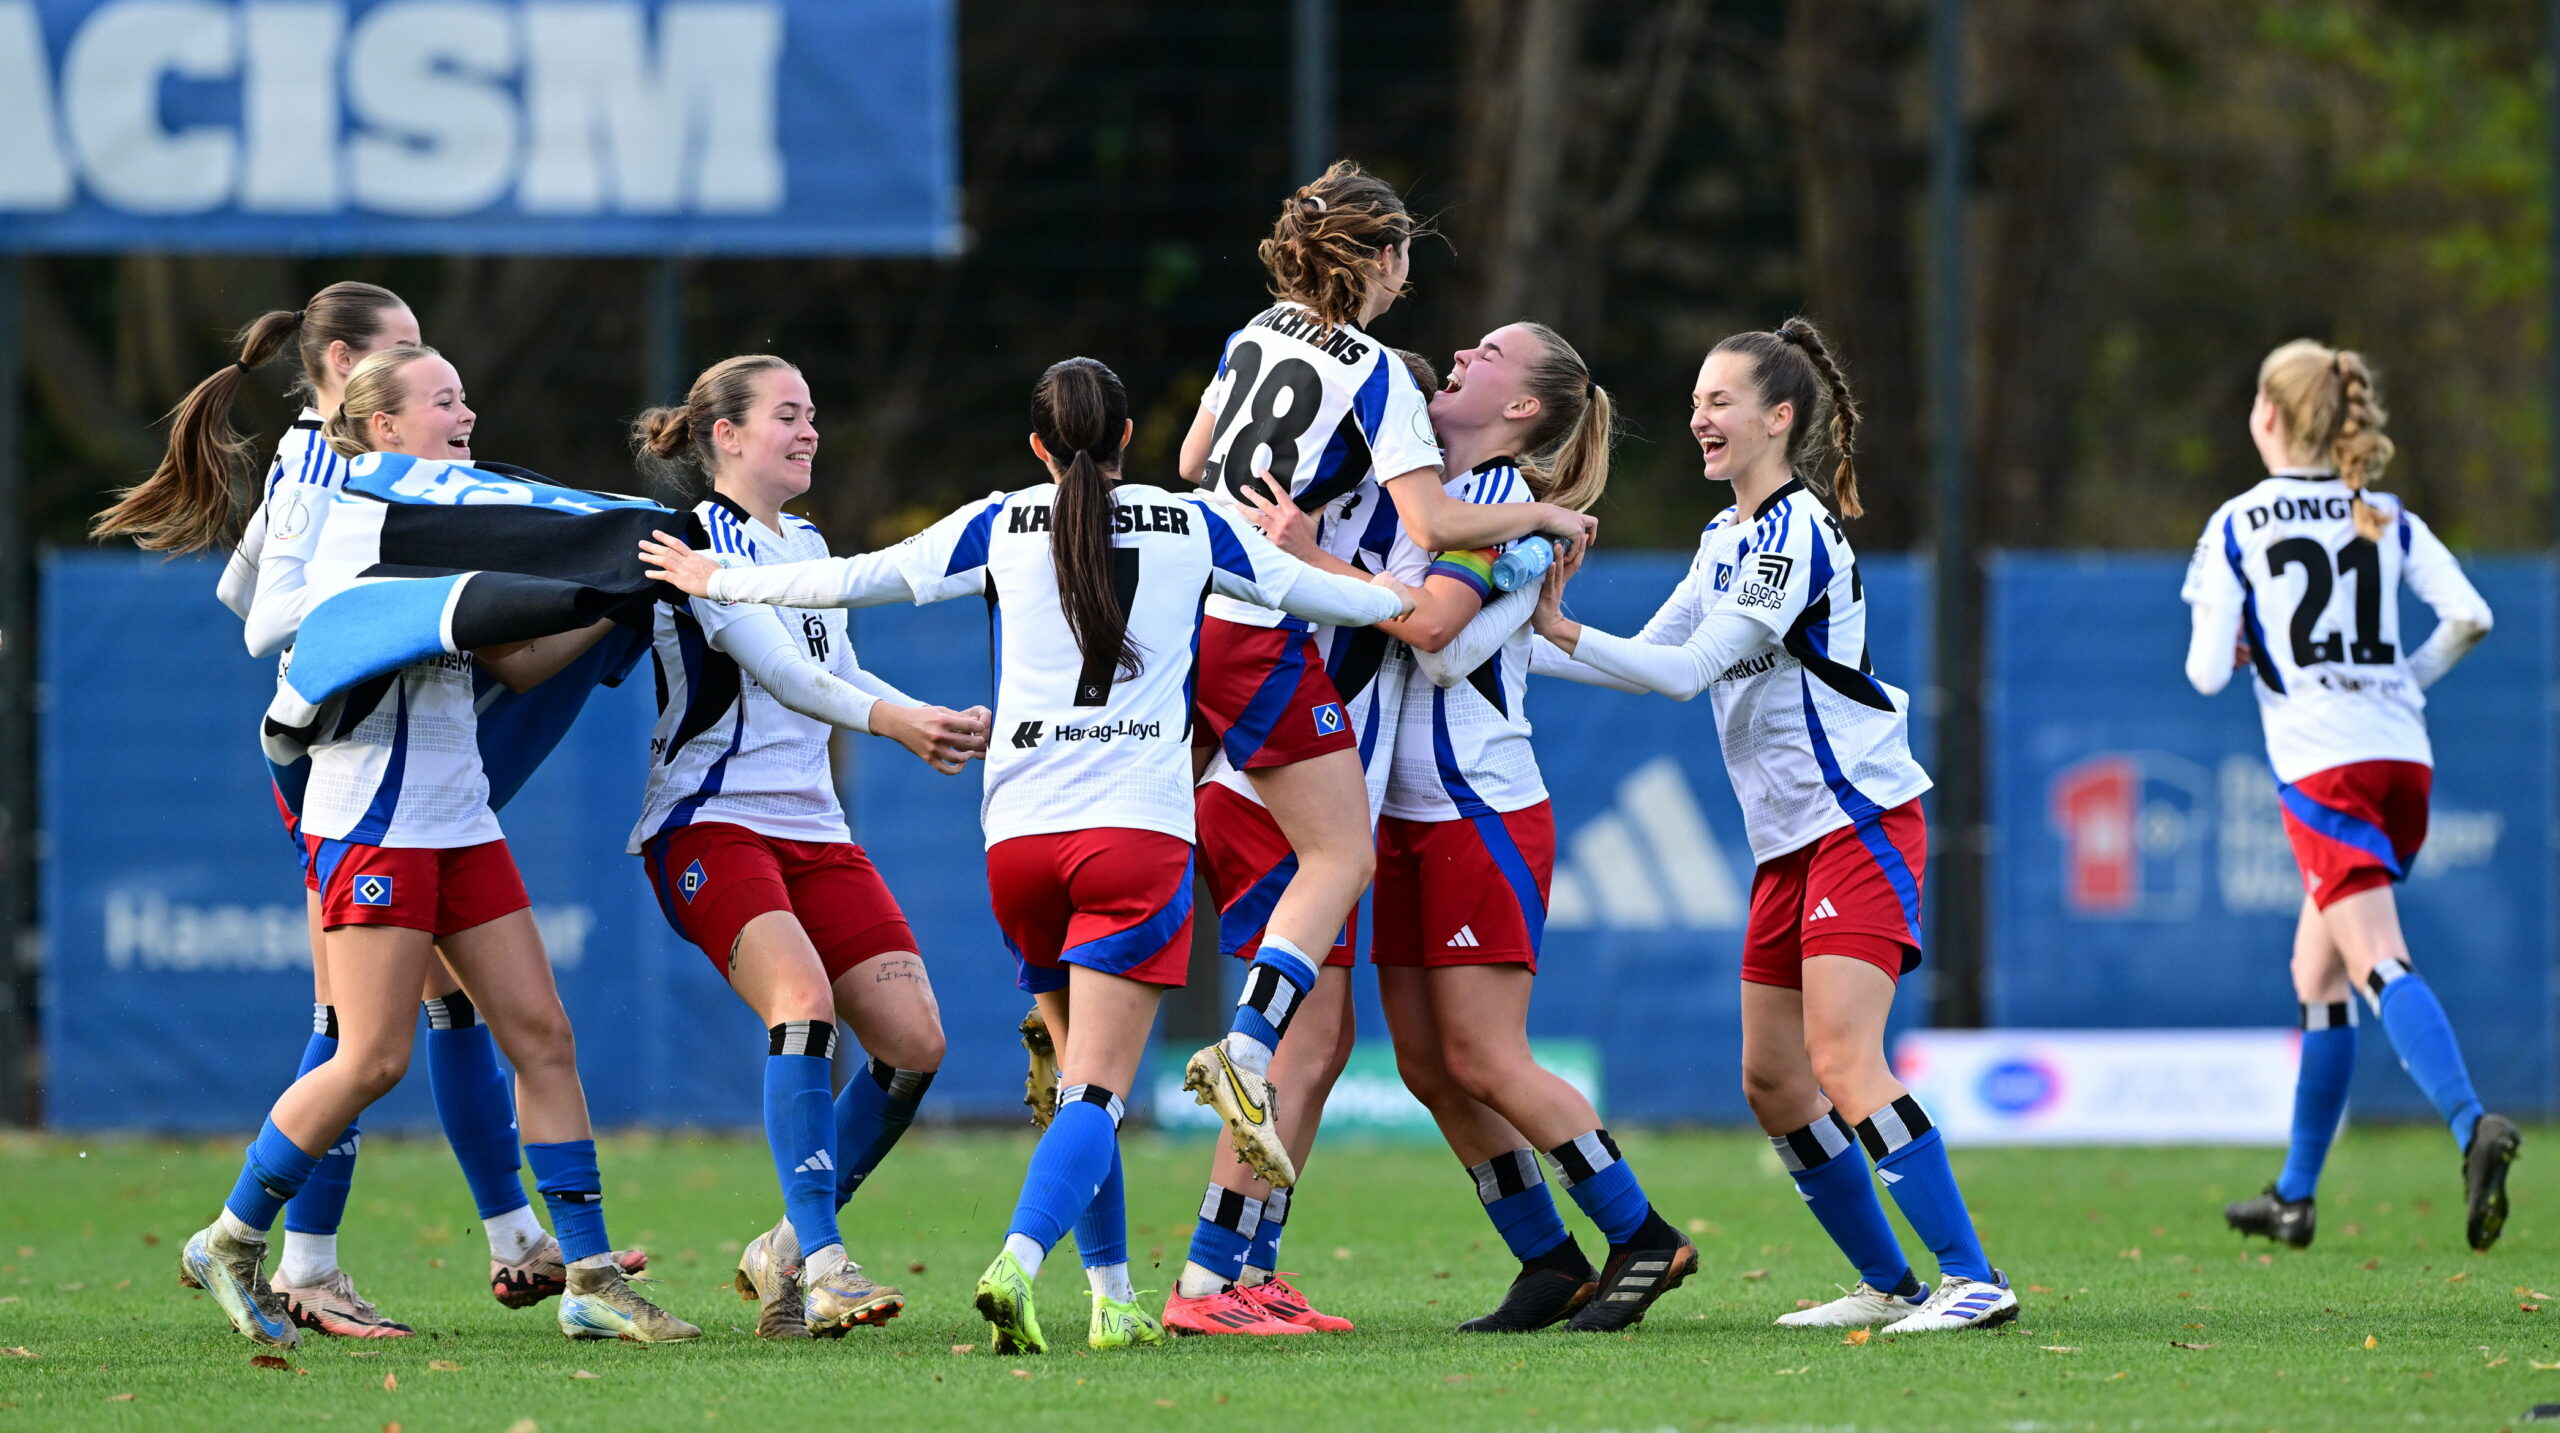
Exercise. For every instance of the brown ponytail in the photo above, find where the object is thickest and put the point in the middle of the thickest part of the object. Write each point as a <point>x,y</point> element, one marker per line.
<point>191,502</point>
<point>669,441</point>
<point>2332,413</point>
<point>1330,241</point>
<point>1565,454</point>
<point>1080,410</point>
<point>1793,365</point>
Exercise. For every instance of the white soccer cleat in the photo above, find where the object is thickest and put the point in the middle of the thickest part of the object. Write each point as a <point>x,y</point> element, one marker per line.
<point>1961,1304</point>
<point>1247,1103</point>
<point>231,1268</point>
<point>601,1303</point>
<point>769,1277</point>
<point>1862,1307</point>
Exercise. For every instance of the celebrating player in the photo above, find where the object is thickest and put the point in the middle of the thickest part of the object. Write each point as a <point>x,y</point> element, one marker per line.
<point>189,504</point>
<point>1307,399</point>
<point>407,856</point>
<point>1095,585</point>
<point>748,851</point>
<point>1771,619</point>
<point>2340,698</point>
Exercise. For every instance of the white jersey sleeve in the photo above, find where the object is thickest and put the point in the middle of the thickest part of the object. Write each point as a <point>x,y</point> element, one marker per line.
<point>2214,597</point>
<point>1779,571</point>
<point>1249,568</point>
<point>300,491</point>
<point>2462,615</point>
<point>944,561</point>
<point>754,638</point>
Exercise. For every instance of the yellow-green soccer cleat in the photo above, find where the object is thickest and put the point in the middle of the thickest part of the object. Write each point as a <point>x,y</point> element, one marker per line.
<point>1248,1104</point>
<point>1004,1301</point>
<point>232,1270</point>
<point>601,1303</point>
<point>1040,1087</point>
<point>1119,1325</point>
<point>769,1277</point>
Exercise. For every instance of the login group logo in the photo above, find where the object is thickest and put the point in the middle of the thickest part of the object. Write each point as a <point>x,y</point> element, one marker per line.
<point>2020,1085</point>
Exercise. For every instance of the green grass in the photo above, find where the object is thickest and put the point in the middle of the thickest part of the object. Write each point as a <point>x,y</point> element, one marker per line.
<point>2123,1252</point>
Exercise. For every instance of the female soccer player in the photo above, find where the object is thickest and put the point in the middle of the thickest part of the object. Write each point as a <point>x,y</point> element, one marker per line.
<point>2339,695</point>
<point>1096,585</point>
<point>407,856</point>
<point>1467,846</point>
<point>189,504</point>
<point>1307,403</point>
<point>748,850</point>
<point>1772,620</point>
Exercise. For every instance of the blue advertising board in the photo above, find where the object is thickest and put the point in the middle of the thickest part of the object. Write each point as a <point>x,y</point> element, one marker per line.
<point>517,126</point>
<point>2143,878</point>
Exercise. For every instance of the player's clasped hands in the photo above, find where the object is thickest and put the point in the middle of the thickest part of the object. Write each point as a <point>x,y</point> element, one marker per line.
<point>1293,532</point>
<point>943,739</point>
<point>667,559</point>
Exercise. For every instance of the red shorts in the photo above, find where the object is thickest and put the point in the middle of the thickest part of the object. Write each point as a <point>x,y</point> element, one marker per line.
<point>1467,892</point>
<point>1265,696</point>
<point>1853,892</point>
<point>414,887</point>
<point>1249,863</point>
<point>2357,826</point>
<point>713,877</point>
<point>1110,899</point>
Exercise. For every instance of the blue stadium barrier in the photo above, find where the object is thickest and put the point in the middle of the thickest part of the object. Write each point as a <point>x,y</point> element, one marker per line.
<point>2142,875</point>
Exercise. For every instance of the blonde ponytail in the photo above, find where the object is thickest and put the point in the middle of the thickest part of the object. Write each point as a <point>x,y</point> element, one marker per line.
<point>1565,454</point>
<point>2332,413</point>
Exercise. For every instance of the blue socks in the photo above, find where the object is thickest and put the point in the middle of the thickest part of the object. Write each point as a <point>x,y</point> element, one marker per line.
<point>1072,1160</point>
<point>1832,1176</point>
<point>322,1203</point>
<point>1912,1160</point>
<point>1265,1253</point>
<point>875,1108</point>
<point>1602,1184</point>
<point>566,1175</point>
<point>1514,1193</point>
<point>1274,986</point>
<point>799,1124</point>
<point>274,1171</point>
<point>1228,1222</point>
<point>2319,1095</point>
<point>474,1102</point>
<point>1102,1231</point>
<point>2423,1036</point>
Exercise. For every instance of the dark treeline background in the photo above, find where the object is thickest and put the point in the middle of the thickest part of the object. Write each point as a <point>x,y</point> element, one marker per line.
<point>2162,191</point>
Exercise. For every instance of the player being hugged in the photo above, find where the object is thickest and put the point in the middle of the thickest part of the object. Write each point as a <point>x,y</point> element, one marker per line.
<point>2303,572</point>
<point>1095,587</point>
<point>1771,620</point>
<point>748,851</point>
<point>407,857</point>
<point>1466,851</point>
<point>1306,399</point>
<point>189,504</point>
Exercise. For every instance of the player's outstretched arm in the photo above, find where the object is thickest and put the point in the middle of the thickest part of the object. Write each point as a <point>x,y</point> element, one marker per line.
<point>522,666</point>
<point>1442,522</point>
<point>867,580</point>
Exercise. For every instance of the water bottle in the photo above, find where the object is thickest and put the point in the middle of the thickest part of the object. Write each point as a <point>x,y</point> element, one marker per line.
<point>1525,562</point>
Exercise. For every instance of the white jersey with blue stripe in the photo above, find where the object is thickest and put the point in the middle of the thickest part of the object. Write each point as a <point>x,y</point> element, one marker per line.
<point>1462,749</point>
<point>723,748</point>
<point>1812,740</point>
<point>265,580</point>
<point>2319,606</point>
<point>399,764</point>
<point>1328,413</point>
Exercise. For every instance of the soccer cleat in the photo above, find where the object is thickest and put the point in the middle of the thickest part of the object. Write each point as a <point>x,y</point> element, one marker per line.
<point>769,1276</point>
<point>1120,1325</point>
<point>1281,1299</point>
<point>1245,1101</point>
<point>1541,1297</point>
<point>543,1273</point>
<point>1228,1311</point>
<point>1961,1304</point>
<point>1635,1276</point>
<point>1040,1087</point>
<point>2494,1142</point>
<point>2290,1222</point>
<point>600,1303</point>
<point>230,1269</point>
<point>848,1297</point>
<point>1004,1301</point>
<point>332,1306</point>
<point>1862,1307</point>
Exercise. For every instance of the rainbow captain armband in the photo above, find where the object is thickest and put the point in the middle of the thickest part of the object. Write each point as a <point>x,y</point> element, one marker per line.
<point>1473,567</point>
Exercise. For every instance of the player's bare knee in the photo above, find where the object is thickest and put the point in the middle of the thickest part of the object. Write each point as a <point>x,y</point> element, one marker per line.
<point>1844,1062</point>
<point>375,1072</point>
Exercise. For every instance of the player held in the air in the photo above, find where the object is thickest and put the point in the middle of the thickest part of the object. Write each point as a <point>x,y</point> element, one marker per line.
<point>2298,580</point>
<point>1095,586</point>
<point>408,858</point>
<point>1771,623</point>
<point>747,848</point>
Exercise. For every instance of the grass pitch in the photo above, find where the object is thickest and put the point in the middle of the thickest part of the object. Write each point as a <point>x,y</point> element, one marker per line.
<point>2141,1310</point>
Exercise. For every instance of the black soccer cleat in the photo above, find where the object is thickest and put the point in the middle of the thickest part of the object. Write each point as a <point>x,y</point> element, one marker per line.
<point>2290,1222</point>
<point>1550,1289</point>
<point>1638,1272</point>
<point>2494,1142</point>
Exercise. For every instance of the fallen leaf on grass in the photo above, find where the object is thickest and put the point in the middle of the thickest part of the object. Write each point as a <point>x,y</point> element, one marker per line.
<point>916,1268</point>
<point>2372,1264</point>
<point>1800,1303</point>
<point>2173,1343</point>
<point>443,1365</point>
<point>2058,1348</point>
<point>1022,1373</point>
<point>2524,1293</point>
<point>2119,1373</point>
<point>390,1383</point>
<point>2458,1278</point>
<point>2134,1253</point>
<point>1790,1372</point>
<point>390,1428</point>
<point>1458,1378</point>
<point>2371,1342</point>
<point>964,1348</point>
<point>364,1353</point>
<point>2038,1289</point>
<point>1341,1253</point>
<point>2493,1363</point>
<point>1164,1403</point>
<point>119,1398</point>
<point>2528,1308</point>
<point>2545,1367</point>
<point>268,1360</point>
<point>1754,1275</point>
<point>151,1239</point>
<point>524,1425</point>
<point>19,1351</point>
<point>582,1373</point>
<point>1857,1337</point>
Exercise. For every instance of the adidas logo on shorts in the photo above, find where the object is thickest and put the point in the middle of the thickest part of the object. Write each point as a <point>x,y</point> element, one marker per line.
<point>1465,939</point>
<point>1822,909</point>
